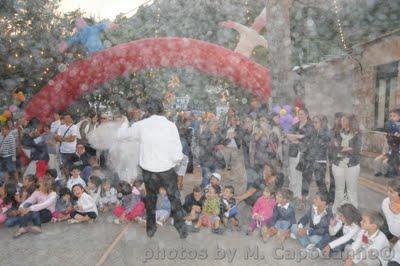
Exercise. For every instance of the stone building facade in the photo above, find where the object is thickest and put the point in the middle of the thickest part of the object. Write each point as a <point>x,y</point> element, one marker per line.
<point>366,83</point>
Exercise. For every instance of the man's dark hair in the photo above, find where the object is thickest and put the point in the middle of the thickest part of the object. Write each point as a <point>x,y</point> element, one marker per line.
<point>375,217</point>
<point>231,189</point>
<point>350,213</point>
<point>196,188</point>
<point>395,111</point>
<point>155,106</point>
<point>322,196</point>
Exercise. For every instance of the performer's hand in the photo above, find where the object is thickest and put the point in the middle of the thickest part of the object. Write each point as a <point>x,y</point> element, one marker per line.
<point>228,24</point>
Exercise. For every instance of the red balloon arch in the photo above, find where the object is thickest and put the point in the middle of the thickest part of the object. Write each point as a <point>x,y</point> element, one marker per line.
<point>83,76</point>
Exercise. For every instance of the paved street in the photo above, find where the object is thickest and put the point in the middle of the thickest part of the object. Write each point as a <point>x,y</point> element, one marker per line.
<point>103,241</point>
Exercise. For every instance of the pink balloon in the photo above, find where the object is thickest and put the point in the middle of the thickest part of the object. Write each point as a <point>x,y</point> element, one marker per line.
<point>13,108</point>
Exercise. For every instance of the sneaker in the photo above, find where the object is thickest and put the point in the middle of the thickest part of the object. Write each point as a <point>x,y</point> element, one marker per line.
<point>150,232</point>
<point>378,174</point>
<point>73,221</point>
<point>172,221</point>
<point>159,223</point>
<point>293,236</point>
<point>217,231</point>
<point>117,221</point>
<point>311,248</point>
<point>188,223</point>
<point>193,229</point>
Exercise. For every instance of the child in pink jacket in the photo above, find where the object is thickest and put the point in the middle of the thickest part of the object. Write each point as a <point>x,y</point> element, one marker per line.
<point>263,209</point>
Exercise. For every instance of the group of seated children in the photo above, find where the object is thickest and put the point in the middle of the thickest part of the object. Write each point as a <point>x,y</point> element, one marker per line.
<point>215,209</point>
<point>273,214</point>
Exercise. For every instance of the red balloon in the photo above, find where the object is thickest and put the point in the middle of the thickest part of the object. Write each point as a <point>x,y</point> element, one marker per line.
<point>83,76</point>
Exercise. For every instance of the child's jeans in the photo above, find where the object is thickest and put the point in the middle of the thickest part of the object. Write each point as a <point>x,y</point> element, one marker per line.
<point>162,215</point>
<point>307,239</point>
<point>12,221</point>
<point>254,224</point>
<point>137,211</point>
<point>282,225</point>
<point>36,217</point>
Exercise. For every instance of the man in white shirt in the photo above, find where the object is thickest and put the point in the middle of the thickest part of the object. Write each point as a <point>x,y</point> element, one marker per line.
<point>160,150</point>
<point>66,135</point>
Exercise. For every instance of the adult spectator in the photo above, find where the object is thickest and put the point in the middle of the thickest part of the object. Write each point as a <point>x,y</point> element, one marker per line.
<point>211,157</point>
<point>315,156</point>
<point>85,129</point>
<point>66,135</point>
<point>256,187</point>
<point>8,153</point>
<point>297,137</point>
<point>346,148</point>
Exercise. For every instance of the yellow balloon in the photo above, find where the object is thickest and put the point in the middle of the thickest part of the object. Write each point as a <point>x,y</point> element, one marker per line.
<point>282,112</point>
<point>3,119</point>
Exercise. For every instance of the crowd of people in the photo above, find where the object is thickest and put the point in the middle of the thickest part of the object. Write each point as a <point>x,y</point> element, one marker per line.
<point>51,172</point>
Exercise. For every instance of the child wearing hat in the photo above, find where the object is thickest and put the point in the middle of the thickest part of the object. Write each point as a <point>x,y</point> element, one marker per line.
<point>215,182</point>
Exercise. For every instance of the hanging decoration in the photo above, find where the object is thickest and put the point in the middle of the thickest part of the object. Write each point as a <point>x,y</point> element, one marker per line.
<point>174,82</point>
<point>88,36</point>
<point>249,37</point>
<point>83,76</point>
<point>339,24</point>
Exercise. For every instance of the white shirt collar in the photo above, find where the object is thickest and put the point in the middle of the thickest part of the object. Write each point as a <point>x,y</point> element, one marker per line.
<point>286,206</point>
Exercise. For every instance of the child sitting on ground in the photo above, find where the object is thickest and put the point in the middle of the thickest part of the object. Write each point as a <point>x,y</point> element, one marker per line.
<point>283,217</point>
<point>210,214</point>
<point>29,186</point>
<point>263,209</point>
<point>85,208</point>
<point>163,207</point>
<point>10,203</point>
<point>131,205</point>
<point>215,182</point>
<point>64,206</point>
<point>312,231</point>
<point>229,207</point>
<point>108,196</point>
<point>349,221</point>
<point>193,205</point>
<point>94,189</point>
<point>75,179</point>
<point>371,244</point>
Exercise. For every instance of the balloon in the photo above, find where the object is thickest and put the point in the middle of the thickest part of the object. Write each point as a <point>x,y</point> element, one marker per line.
<point>120,60</point>
<point>3,118</point>
<point>13,108</point>
<point>88,36</point>
<point>288,108</point>
<point>282,112</point>
<point>286,122</point>
<point>298,102</point>
<point>7,114</point>
<point>276,109</point>
<point>295,120</point>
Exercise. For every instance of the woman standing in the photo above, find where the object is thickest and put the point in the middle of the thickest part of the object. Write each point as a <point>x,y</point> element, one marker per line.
<point>38,208</point>
<point>316,156</point>
<point>346,148</point>
<point>298,137</point>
